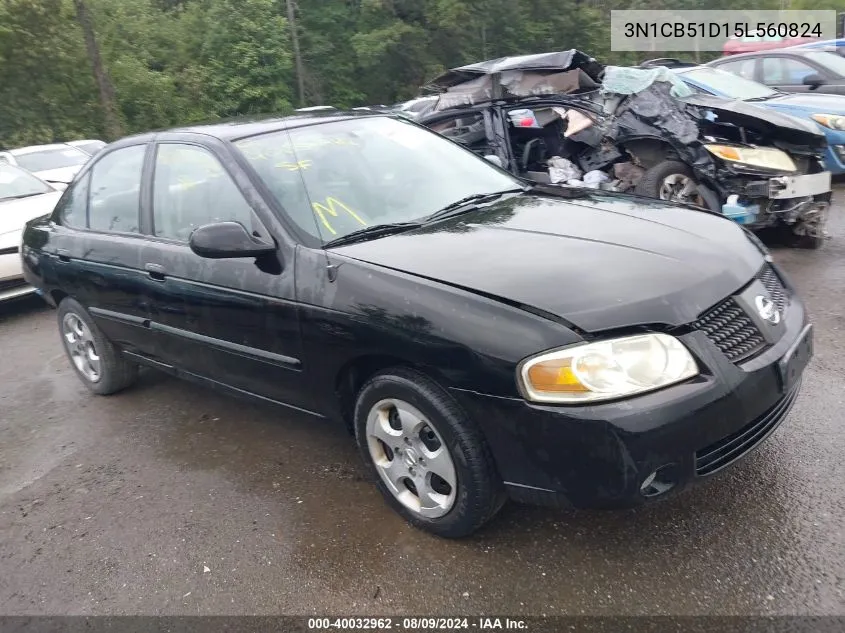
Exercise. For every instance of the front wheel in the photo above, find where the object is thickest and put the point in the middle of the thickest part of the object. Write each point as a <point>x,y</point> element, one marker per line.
<point>430,462</point>
<point>673,181</point>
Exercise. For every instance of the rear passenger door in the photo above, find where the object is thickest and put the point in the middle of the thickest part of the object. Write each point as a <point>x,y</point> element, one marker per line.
<point>100,247</point>
<point>229,320</point>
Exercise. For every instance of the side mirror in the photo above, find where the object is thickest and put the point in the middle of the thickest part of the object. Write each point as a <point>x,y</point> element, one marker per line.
<point>813,80</point>
<point>224,240</point>
<point>494,159</point>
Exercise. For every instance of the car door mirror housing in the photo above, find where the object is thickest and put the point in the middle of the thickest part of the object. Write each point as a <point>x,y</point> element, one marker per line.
<point>814,81</point>
<point>225,240</point>
<point>492,158</point>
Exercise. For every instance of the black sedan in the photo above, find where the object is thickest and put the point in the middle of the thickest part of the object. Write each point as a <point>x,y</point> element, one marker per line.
<point>790,69</point>
<point>480,338</point>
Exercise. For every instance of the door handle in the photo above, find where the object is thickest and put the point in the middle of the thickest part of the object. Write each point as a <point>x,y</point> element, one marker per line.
<point>63,255</point>
<point>156,271</point>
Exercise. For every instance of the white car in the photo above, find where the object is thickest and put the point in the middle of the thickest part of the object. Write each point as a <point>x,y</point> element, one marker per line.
<point>56,163</point>
<point>23,197</point>
<point>89,146</point>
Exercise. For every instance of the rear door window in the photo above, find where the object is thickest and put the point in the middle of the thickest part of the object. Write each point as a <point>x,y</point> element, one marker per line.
<point>115,194</point>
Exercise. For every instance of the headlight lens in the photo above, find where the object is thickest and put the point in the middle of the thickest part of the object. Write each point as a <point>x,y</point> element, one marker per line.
<point>765,157</point>
<point>833,121</point>
<point>607,369</point>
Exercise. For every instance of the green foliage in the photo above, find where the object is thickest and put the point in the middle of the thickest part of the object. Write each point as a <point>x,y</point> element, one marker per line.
<point>179,61</point>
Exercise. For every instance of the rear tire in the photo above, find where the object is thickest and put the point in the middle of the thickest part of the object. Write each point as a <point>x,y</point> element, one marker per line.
<point>97,362</point>
<point>429,460</point>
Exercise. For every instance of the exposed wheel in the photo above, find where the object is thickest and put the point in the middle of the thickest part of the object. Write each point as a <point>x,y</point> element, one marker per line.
<point>96,361</point>
<point>673,181</point>
<point>429,460</point>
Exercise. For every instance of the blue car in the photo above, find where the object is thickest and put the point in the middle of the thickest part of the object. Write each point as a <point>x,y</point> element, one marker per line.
<point>828,111</point>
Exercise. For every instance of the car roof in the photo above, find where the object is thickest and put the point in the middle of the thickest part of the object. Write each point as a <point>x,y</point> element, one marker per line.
<point>32,149</point>
<point>787,50</point>
<point>241,127</point>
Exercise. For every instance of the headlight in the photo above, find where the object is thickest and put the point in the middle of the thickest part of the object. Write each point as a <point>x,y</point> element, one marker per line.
<point>833,121</point>
<point>765,157</point>
<point>608,369</point>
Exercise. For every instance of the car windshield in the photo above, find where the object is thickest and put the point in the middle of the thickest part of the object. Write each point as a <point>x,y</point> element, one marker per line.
<point>336,178</point>
<point>90,147</point>
<point>17,183</point>
<point>56,158</point>
<point>831,61</point>
<point>728,84</point>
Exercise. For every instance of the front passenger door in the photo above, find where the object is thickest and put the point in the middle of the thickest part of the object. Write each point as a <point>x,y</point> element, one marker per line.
<point>230,320</point>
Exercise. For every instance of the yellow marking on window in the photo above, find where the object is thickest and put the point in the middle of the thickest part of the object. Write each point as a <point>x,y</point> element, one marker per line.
<point>331,206</point>
<point>297,166</point>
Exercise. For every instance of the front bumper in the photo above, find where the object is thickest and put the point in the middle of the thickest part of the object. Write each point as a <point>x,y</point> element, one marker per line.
<point>12,283</point>
<point>834,158</point>
<point>601,455</point>
<point>786,187</point>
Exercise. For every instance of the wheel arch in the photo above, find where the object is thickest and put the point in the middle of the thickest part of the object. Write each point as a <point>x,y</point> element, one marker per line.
<point>650,151</point>
<point>357,371</point>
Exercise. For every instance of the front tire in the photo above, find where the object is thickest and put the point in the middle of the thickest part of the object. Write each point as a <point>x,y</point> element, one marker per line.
<point>100,366</point>
<point>429,460</point>
<point>673,181</point>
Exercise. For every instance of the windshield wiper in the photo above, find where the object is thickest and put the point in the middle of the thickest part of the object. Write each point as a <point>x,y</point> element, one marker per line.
<point>18,197</point>
<point>469,203</point>
<point>370,232</point>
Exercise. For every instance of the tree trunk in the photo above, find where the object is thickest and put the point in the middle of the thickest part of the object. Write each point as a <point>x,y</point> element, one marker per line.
<point>113,126</point>
<point>294,36</point>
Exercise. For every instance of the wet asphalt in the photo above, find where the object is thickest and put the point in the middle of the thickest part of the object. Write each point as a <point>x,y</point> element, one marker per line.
<point>172,499</point>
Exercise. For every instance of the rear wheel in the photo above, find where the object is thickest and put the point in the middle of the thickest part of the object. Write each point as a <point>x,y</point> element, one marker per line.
<point>673,181</point>
<point>100,366</point>
<point>429,460</point>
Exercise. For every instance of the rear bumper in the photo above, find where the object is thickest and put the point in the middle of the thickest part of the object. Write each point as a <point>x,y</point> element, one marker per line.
<point>601,456</point>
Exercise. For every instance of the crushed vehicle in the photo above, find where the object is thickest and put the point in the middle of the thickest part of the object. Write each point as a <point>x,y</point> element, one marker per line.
<point>565,118</point>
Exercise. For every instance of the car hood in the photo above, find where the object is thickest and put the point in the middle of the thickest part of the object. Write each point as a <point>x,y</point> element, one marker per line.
<point>767,120</point>
<point>15,213</point>
<point>811,103</point>
<point>63,174</point>
<point>598,260</point>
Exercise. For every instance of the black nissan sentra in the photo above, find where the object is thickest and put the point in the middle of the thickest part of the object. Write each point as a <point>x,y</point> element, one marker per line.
<point>481,337</point>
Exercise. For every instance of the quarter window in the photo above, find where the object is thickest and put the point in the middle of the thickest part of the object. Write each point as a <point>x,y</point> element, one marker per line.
<point>191,188</point>
<point>73,207</point>
<point>116,191</point>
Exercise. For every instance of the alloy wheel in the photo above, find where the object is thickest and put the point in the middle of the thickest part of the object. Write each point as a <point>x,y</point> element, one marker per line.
<point>81,347</point>
<point>680,188</point>
<point>411,458</point>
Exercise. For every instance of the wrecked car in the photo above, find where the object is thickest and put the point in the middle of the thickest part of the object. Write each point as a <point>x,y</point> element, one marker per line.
<point>564,118</point>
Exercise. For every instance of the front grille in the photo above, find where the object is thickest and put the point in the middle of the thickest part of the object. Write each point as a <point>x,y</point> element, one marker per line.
<point>719,454</point>
<point>11,284</point>
<point>732,331</point>
<point>773,284</point>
